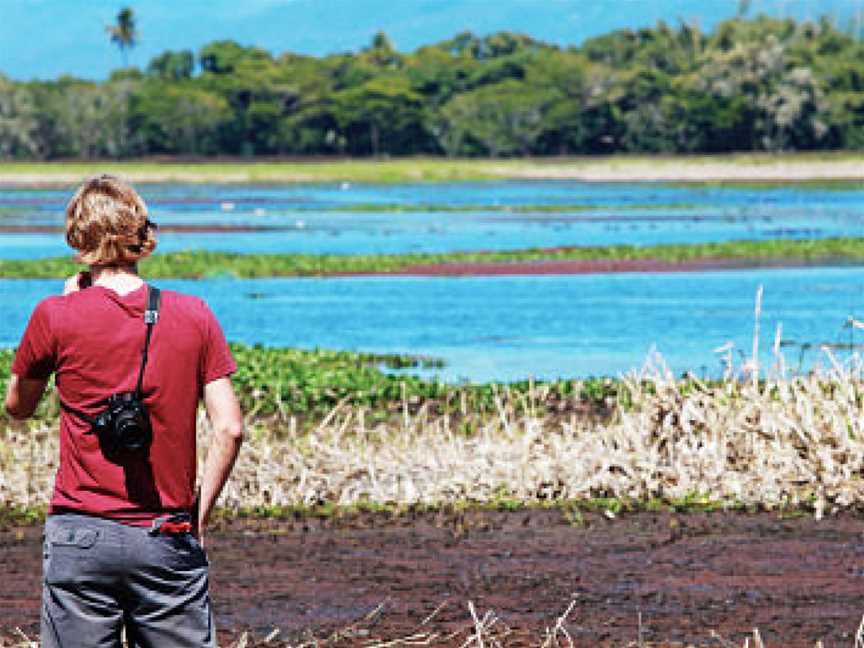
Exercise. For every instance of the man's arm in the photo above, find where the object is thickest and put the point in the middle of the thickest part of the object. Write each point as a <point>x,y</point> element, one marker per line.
<point>225,416</point>
<point>22,396</point>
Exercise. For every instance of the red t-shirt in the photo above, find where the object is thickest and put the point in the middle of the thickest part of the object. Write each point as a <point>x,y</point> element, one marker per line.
<point>93,339</point>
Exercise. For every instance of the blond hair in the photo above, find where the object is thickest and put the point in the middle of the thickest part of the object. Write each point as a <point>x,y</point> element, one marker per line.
<point>106,221</point>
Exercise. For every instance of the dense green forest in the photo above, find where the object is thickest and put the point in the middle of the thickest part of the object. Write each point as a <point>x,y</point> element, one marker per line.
<point>759,84</point>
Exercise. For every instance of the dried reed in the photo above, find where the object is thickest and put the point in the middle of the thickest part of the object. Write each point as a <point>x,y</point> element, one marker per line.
<point>770,443</point>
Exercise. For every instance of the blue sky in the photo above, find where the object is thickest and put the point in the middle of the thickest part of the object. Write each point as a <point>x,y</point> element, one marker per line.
<point>48,38</point>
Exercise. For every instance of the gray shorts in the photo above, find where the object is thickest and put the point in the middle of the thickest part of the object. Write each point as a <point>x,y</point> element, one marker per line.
<point>101,575</point>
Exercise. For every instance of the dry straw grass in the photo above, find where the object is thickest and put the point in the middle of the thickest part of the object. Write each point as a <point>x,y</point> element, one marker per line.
<point>779,442</point>
<point>776,442</point>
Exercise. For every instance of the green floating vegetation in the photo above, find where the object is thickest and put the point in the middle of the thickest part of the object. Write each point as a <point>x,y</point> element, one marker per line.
<point>825,184</point>
<point>208,264</point>
<point>278,384</point>
<point>307,384</point>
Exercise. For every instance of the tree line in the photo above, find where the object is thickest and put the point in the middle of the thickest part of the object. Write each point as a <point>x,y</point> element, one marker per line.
<point>760,84</point>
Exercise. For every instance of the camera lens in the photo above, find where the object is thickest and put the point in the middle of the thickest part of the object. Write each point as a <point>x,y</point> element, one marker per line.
<point>124,427</point>
<point>129,430</point>
<point>128,427</point>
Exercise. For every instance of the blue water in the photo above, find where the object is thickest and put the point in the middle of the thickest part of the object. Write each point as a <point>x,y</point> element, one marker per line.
<point>306,218</point>
<point>506,328</point>
<point>493,328</point>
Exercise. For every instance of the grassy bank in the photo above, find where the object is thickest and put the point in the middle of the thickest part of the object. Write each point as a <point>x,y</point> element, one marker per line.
<point>741,167</point>
<point>201,264</point>
<point>251,171</point>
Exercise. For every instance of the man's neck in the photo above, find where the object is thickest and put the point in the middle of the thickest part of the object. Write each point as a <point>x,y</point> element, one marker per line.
<point>120,279</point>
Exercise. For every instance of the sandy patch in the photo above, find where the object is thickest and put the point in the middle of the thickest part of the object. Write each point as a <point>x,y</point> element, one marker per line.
<point>692,170</point>
<point>755,168</point>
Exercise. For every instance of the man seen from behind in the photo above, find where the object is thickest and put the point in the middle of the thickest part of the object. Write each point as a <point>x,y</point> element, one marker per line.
<point>125,531</point>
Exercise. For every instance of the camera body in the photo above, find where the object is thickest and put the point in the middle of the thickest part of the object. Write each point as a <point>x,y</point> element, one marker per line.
<point>123,427</point>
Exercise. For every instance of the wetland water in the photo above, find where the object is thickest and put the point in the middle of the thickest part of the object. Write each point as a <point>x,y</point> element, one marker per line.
<point>490,328</point>
<point>505,328</point>
<point>363,219</point>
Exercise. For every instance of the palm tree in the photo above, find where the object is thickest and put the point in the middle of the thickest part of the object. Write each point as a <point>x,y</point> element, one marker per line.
<point>123,33</point>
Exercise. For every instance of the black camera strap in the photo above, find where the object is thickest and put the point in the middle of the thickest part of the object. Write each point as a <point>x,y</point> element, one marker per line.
<point>151,316</point>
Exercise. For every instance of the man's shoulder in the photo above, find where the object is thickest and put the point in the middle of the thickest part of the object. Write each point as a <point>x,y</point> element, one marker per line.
<point>50,304</point>
<point>181,300</point>
<point>51,301</point>
<point>183,305</point>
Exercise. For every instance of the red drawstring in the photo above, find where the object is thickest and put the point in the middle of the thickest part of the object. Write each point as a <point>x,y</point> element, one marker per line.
<point>171,528</point>
<point>172,525</point>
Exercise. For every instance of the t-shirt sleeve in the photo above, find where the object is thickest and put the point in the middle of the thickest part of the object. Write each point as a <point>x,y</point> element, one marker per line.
<point>217,361</point>
<point>36,357</point>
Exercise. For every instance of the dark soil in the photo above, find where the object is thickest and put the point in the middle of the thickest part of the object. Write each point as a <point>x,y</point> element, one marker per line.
<point>797,580</point>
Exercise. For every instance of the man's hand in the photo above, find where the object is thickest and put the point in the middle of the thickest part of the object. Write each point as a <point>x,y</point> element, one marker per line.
<point>78,281</point>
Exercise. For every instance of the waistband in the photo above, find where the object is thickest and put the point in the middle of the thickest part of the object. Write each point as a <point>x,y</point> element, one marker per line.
<point>140,520</point>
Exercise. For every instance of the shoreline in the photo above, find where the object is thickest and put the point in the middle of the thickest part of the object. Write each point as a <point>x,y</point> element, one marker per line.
<point>730,255</point>
<point>747,169</point>
<point>566,267</point>
<point>576,267</point>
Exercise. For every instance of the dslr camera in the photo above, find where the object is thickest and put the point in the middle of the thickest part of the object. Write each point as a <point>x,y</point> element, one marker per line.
<point>123,427</point>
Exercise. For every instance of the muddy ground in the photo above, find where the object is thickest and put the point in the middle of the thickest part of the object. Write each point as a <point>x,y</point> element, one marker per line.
<point>796,579</point>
